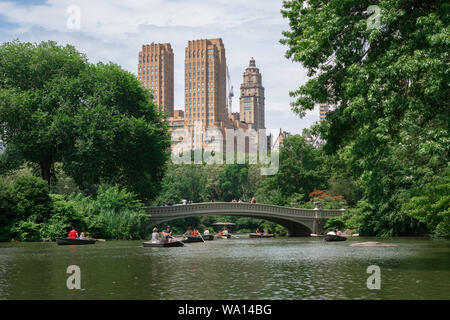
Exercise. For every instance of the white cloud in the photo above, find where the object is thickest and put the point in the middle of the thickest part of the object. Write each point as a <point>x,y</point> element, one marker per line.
<point>114,30</point>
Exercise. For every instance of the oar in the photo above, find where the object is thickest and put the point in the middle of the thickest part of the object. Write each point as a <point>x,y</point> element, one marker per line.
<point>181,242</point>
<point>100,240</point>
<point>202,238</point>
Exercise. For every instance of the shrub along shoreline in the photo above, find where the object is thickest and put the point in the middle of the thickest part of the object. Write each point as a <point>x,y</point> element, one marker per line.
<point>32,213</point>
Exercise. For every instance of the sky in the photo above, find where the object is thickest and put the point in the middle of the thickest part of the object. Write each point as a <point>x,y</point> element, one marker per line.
<point>115,30</point>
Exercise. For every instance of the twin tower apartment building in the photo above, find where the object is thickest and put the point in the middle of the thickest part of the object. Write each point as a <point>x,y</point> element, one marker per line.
<point>206,117</point>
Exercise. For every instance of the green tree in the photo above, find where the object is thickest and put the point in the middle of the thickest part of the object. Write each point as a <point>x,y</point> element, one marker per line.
<point>432,204</point>
<point>233,181</point>
<point>389,84</point>
<point>7,213</point>
<point>183,181</point>
<point>97,120</point>
<point>302,170</point>
<point>10,159</point>
<point>31,199</point>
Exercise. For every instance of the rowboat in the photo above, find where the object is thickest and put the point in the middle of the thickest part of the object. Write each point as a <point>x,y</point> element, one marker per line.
<point>162,244</point>
<point>208,237</point>
<point>190,238</point>
<point>261,235</point>
<point>67,241</point>
<point>331,237</point>
<point>224,236</point>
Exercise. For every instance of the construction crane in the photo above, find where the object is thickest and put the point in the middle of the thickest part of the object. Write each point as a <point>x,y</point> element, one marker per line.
<point>230,94</point>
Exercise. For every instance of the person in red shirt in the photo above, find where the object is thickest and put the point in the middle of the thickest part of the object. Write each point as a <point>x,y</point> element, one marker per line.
<point>73,234</point>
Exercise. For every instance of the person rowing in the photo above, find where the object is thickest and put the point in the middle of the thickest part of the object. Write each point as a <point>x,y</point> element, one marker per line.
<point>73,234</point>
<point>167,234</point>
<point>188,232</point>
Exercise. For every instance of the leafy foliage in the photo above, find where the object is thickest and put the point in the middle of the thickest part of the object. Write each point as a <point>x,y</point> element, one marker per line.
<point>97,120</point>
<point>390,88</point>
<point>302,170</point>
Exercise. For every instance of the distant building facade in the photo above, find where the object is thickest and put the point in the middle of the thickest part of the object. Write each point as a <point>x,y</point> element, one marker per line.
<point>323,109</point>
<point>279,140</point>
<point>205,121</point>
<point>156,71</point>
<point>252,97</point>
<point>205,82</point>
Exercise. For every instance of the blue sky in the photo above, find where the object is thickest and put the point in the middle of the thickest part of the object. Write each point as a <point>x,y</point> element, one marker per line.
<point>114,30</point>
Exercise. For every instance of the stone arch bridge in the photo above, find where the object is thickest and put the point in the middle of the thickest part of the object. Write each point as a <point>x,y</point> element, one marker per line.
<point>299,222</point>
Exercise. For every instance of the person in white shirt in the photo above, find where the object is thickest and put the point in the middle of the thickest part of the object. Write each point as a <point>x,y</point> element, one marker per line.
<point>155,236</point>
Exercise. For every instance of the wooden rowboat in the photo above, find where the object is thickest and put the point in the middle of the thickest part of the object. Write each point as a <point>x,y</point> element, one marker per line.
<point>261,235</point>
<point>162,244</point>
<point>331,237</point>
<point>190,239</point>
<point>224,236</point>
<point>68,241</point>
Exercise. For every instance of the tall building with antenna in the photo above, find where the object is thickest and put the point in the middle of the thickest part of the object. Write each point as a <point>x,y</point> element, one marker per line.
<point>252,97</point>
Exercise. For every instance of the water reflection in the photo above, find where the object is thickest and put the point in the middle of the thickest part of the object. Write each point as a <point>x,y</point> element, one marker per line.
<point>280,268</point>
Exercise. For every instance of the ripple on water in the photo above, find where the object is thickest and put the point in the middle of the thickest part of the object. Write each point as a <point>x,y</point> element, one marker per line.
<point>281,268</point>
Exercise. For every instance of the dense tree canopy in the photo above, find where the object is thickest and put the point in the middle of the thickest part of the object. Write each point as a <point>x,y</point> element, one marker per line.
<point>97,120</point>
<point>302,170</point>
<point>389,83</point>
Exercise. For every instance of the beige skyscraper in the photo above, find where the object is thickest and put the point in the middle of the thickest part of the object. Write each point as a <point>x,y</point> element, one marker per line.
<point>252,97</point>
<point>205,82</point>
<point>324,108</point>
<point>155,70</point>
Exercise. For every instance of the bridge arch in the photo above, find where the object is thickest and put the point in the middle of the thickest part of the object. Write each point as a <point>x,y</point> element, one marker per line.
<point>298,222</point>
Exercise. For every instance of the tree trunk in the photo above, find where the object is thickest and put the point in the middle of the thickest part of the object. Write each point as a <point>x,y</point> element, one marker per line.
<point>46,170</point>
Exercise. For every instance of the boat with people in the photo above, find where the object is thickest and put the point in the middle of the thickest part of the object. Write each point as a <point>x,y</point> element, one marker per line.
<point>225,233</point>
<point>333,237</point>
<point>68,241</point>
<point>173,243</point>
<point>191,238</point>
<point>261,235</point>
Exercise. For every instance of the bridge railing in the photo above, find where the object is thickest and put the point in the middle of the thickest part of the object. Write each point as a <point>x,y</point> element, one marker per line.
<point>234,207</point>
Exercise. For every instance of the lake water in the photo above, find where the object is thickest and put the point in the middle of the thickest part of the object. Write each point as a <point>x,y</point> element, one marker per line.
<point>238,268</point>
